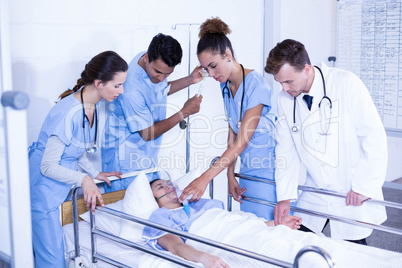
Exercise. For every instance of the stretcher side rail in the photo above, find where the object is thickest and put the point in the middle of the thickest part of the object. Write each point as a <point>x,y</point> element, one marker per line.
<point>74,198</point>
<point>96,256</point>
<point>320,191</point>
<point>317,250</point>
<point>319,214</point>
<point>94,230</point>
<point>246,253</point>
<point>328,216</point>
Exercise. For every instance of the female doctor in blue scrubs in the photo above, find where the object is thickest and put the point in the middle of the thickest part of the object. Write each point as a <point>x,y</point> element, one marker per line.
<point>247,101</point>
<point>69,130</point>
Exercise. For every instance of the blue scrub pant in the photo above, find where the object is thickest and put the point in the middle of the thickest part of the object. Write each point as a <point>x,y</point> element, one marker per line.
<point>47,239</point>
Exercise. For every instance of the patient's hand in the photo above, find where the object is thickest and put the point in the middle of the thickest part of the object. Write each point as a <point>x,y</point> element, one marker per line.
<point>293,222</point>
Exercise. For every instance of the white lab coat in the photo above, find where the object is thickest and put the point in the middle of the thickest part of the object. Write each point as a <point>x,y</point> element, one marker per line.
<point>352,157</point>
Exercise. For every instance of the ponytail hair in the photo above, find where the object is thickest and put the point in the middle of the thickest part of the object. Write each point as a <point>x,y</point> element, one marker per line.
<point>68,92</point>
<point>213,37</point>
<point>103,66</point>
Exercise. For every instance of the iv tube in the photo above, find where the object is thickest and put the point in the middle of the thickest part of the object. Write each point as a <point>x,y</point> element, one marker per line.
<point>204,74</point>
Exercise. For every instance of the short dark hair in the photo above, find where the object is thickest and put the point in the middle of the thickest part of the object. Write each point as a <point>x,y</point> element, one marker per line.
<point>288,51</point>
<point>153,181</point>
<point>166,48</point>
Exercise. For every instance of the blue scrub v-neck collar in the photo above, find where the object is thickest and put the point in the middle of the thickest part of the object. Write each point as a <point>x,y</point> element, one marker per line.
<point>240,88</point>
<point>156,87</point>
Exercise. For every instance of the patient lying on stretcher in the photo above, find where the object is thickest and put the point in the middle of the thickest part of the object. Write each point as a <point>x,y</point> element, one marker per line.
<point>172,214</point>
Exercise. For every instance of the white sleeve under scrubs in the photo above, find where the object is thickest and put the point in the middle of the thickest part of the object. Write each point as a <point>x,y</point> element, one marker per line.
<point>65,121</point>
<point>142,105</point>
<point>258,159</point>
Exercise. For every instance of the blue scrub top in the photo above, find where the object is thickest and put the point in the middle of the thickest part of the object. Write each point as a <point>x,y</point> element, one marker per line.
<point>258,159</point>
<point>142,105</point>
<point>64,121</point>
<point>177,219</point>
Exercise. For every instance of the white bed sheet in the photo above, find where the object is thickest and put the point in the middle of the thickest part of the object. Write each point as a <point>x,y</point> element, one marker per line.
<point>245,231</point>
<point>216,224</point>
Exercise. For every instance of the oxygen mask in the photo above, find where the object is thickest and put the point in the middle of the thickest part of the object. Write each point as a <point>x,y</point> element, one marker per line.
<point>173,193</point>
<point>170,192</point>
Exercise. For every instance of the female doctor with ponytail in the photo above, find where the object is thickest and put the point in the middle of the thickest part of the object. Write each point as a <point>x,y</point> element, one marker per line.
<point>247,103</point>
<point>70,130</point>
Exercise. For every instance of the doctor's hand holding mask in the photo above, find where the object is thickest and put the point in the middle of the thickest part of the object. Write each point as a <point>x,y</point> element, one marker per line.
<point>70,131</point>
<point>246,97</point>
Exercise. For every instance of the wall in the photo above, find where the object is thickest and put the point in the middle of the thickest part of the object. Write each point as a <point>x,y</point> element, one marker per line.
<point>52,41</point>
<point>314,23</point>
<point>311,22</point>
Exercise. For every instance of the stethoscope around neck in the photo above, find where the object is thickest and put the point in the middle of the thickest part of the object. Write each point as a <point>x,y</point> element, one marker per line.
<point>225,90</point>
<point>93,149</point>
<point>296,128</point>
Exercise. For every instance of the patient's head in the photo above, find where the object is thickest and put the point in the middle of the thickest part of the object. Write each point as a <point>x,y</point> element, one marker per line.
<point>164,194</point>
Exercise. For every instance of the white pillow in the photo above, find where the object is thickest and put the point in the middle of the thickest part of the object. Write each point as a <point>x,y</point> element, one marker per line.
<point>104,221</point>
<point>138,201</point>
<point>186,179</point>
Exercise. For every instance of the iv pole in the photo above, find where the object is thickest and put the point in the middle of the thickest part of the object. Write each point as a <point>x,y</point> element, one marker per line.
<point>185,123</point>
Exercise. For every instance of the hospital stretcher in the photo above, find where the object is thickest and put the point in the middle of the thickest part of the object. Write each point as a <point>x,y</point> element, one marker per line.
<point>94,236</point>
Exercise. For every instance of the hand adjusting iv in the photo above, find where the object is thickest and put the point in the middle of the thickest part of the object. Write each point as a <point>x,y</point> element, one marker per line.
<point>204,74</point>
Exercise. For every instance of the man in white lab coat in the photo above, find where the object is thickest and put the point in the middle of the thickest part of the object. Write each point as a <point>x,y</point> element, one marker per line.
<point>338,143</point>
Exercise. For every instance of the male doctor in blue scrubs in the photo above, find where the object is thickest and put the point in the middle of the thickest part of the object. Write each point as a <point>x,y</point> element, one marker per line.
<point>137,120</point>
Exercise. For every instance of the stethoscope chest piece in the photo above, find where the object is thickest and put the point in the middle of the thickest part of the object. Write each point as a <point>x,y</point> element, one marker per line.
<point>93,149</point>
